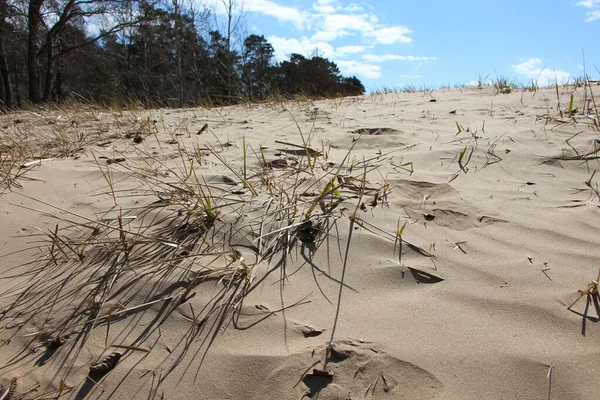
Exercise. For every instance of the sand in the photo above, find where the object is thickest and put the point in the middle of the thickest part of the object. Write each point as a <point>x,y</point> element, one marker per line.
<point>495,249</point>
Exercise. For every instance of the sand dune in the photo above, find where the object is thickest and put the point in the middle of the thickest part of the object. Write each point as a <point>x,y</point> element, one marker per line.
<point>215,256</point>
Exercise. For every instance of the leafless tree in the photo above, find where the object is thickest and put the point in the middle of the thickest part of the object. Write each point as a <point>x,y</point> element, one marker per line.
<point>47,19</point>
<point>234,31</point>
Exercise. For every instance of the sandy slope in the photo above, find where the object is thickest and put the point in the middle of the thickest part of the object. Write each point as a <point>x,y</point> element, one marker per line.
<point>511,237</point>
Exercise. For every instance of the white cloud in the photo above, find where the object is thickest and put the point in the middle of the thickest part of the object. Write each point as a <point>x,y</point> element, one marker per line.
<point>281,13</point>
<point>326,6</point>
<point>328,36</point>
<point>284,47</point>
<point>593,6</point>
<point>592,16</point>
<point>351,67</point>
<point>356,22</point>
<point>588,3</point>
<point>353,8</point>
<point>394,34</point>
<point>377,58</point>
<point>308,47</point>
<point>533,69</point>
<point>267,7</point>
<point>339,25</point>
<point>324,9</point>
<point>343,50</point>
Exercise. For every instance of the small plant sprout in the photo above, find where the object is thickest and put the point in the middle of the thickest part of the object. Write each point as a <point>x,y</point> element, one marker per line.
<point>459,128</point>
<point>591,293</point>
<point>571,106</point>
<point>461,156</point>
<point>398,241</point>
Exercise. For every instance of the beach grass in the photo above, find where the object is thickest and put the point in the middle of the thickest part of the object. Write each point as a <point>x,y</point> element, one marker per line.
<point>177,237</point>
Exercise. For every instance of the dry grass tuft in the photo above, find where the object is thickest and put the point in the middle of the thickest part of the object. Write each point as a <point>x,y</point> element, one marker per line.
<point>189,234</point>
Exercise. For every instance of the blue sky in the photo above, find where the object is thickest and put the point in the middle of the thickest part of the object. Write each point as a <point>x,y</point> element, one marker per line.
<point>394,43</point>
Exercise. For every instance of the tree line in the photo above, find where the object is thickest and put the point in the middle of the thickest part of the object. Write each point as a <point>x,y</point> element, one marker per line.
<point>158,52</point>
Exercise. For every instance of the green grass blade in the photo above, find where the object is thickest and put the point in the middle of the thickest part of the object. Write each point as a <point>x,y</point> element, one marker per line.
<point>462,155</point>
<point>571,106</point>
<point>132,348</point>
<point>401,231</point>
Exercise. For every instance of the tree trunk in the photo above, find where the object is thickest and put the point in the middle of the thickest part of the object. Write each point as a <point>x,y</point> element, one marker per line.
<point>57,93</point>
<point>33,76</point>
<point>2,98</point>
<point>17,82</point>
<point>49,82</point>
<point>178,55</point>
<point>4,74</point>
<point>229,60</point>
<point>5,77</point>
